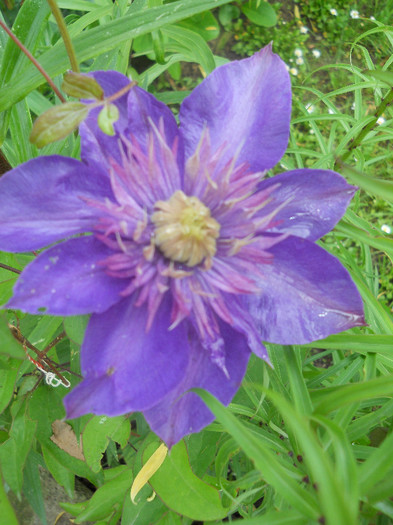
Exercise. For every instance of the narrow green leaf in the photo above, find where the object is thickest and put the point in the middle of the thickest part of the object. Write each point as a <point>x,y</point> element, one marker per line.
<point>380,187</point>
<point>32,489</point>
<point>182,491</point>
<point>377,466</point>
<point>379,74</point>
<point>57,123</point>
<point>264,459</point>
<point>365,343</point>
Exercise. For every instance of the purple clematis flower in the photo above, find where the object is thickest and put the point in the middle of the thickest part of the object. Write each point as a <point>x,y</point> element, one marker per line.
<point>193,257</point>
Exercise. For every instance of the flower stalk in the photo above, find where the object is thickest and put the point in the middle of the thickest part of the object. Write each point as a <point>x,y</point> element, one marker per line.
<point>64,35</point>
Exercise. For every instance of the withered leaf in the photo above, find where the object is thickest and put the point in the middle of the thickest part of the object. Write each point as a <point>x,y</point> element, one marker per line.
<point>64,437</point>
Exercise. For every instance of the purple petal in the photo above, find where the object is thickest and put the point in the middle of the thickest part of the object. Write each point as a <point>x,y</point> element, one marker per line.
<point>125,368</point>
<point>244,103</point>
<point>41,202</point>
<point>96,146</point>
<point>306,295</point>
<point>312,201</point>
<point>67,279</point>
<point>181,413</point>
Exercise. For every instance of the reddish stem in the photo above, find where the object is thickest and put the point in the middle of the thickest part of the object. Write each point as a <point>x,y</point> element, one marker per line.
<point>33,60</point>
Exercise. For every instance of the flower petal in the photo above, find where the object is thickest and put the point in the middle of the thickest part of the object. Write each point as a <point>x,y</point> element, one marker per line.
<point>67,279</point>
<point>41,202</point>
<point>311,201</point>
<point>306,295</point>
<point>244,103</point>
<point>96,146</point>
<point>125,368</point>
<point>181,412</point>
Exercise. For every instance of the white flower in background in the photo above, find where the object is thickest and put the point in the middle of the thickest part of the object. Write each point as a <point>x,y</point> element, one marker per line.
<point>353,106</point>
<point>372,18</point>
<point>304,30</point>
<point>316,53</point>
<point>300,61</point>
<point>294,71</point>
<point>310,108</point>
<point>333,12</point>
<point>331,111</point>
<point>380,121</point>
<point>386,228</point>
<point>298,52</point>
<point>354,13</point>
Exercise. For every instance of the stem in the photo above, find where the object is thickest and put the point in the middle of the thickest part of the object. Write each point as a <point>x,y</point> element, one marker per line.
<point>363,132</point>
<point>32,59</point>
<point>64,35</point>
<point>10,268</point>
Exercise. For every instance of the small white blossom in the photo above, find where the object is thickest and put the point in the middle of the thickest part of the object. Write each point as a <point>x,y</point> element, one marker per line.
<point>372,18</point>
<point>331,111</point>
<point>333,12</point>
<point>312,132</point>
<point>380,121</point>
<point>310,108</point>
<point>304,30</point>
<point>353,106</point>
<point>316,53</point>
<point>354,13</point>
<point>298,52</point>
<point>300,61</point>
<point>386,228</point>
<point>294,71</point>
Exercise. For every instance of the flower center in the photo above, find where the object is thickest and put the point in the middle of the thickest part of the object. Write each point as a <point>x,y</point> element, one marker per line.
<point>184,229</point>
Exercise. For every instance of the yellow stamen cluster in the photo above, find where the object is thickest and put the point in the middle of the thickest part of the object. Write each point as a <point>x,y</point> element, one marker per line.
<point>184,229</point>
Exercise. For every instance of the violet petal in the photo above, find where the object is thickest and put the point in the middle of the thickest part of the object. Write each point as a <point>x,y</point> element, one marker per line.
<point>312,201</point>
<point>181,413</point>
<point>68,279</point>
<point>306,295</point>
<point>41,202</point>
<point>243,103</point>
<point>126,369</point>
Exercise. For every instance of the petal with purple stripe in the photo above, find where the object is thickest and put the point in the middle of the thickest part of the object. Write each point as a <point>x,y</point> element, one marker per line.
<point>41,201</point>
<point>306,294</point>
<point>246,103</point>
<point>181,412</point>
<point>126,368</point>
<point>311,201</point>
<point>68,279</point>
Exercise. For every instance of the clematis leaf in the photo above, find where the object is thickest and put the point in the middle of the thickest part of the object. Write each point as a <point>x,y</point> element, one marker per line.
<point>81,86</point>
<point>57,123</point>
<point>107,117</point>
<point>182,491</point>
<point>260,13</point>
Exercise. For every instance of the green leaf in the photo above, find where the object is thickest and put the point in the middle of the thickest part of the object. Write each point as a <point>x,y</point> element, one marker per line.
<point>8,376</point>
<point>107,497</point>
<point>260,13</point>
<point>8,344</point>
<point>14,451</point>
<point>32,489</point>
<point>265,460</point>
<point>58,122</point>
<point>182,491</point>
<point>81,86</point>
<point>204,24</point>
<point>75,326</point>
<point>97,433</point>
<point>101,39</point>
<point>61,474</point>
<point>380,344</point>
<point>6,511</point>
<point>227,13</point>
<point>381,188</point>
<point>379,74</point>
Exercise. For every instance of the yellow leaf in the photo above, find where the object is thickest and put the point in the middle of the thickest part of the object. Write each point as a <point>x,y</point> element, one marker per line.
<point>148,470</point>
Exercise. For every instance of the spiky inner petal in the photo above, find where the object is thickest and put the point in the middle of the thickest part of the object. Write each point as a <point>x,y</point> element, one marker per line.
<point>185,232</point>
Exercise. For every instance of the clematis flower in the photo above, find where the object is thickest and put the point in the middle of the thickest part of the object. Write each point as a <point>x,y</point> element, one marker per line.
<point>184,252</point>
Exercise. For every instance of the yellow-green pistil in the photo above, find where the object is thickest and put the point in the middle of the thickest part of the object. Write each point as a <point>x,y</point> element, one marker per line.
<point>185,232</point>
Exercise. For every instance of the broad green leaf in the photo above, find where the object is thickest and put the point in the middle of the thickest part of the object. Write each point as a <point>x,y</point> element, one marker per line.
<point>182,491</point>
<point>81,86</point>
<point>107,497</point>
<point>264,459</point>
<point>260,13</point>
<point>97,433</point>
<point>14,451</point>
<point>61,474</point>
<point>58,122</point>
<point>227,13</point>
<point>6,511</point>
<point>75,327</point>
<point>204,24</point>
<point>98,40</point>
<point>8,344</point>
<point>32,489</point>
<point>8,375</point>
